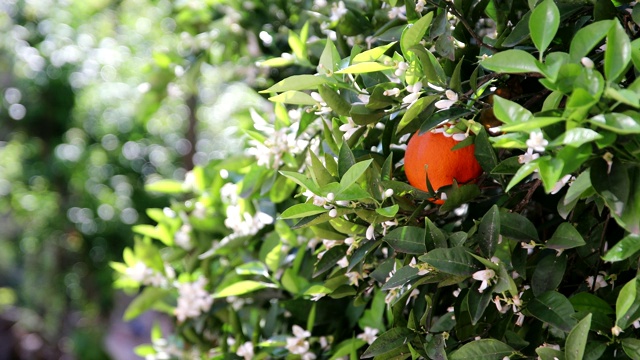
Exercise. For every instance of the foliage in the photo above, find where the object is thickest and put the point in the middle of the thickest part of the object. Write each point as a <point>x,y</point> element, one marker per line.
<point>99,98</point>
<point>311,244</point>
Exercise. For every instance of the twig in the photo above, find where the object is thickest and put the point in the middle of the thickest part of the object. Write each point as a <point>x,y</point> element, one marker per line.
<point>454,11</point>
<point>534,185</point>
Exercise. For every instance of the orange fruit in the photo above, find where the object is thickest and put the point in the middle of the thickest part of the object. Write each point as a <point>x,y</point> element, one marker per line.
<point>433,149</point>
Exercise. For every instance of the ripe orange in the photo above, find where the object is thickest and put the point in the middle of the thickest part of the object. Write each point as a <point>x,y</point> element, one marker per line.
<point>433,149</point>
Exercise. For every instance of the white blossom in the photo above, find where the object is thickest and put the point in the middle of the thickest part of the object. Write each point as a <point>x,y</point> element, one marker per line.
<point>401,68</point>
<point>139,272</point>
<point>528,157</point>
<point>486,276</point>
<point>586,62</point>
<point>616,330</point>
<point>600,282</point>
<point>452,98</point>
<point>398,12</point>
<point>369,335</point>
<point>391,92</point>
<point>338,11</point>
<point>182,237</point>
<point>349,128</point>
<point>371,232</point>
<point>355,277</point>
<point>193,299</point>
<point>246,351</point>
<point>560,184</point>
<point>530,246</point>
<point>298,343</point>
<point>387,193</point>
<point>537,141</point>
<point>520,319</point>
<point>344,262</point>
<point>420,5</point>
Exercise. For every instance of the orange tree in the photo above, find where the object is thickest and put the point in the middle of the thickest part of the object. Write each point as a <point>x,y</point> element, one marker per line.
<point>314,245</point>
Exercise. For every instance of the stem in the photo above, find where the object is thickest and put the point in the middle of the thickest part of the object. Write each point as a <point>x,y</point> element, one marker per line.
<point>600,250</point>
<point>456,13</point>
<point>536,183</point>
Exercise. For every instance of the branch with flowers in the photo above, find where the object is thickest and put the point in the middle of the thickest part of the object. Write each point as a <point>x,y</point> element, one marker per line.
<point>314,244</point>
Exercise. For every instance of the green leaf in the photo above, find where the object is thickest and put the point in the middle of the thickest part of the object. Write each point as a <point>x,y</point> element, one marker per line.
<point>532,124</point>
<point>354,173</point>
<point>548,273</point>
<point>372,54</point>
<point>166,186</point>
<point>154,232</point>
<point>416,109</point>
<point>145,301</point>
<point>301,180</point>
<point>477,302</point>
<point>390,340</point>
<point>364,67</point>
<point>456,261</point>
<point>413,33</point>
<point>329,259</point>
<point>347,347</point>
<point>483,349</point>
<point>298,82</point>
<point>517,227</point>
<point>442,116</point>
<point>294,98</point>
<point>623,249</point>
<point>543,24</point>
<point>587,38</point>
<point>519,33</point>
<point>618,53</point>
<point>550,171</point>
<point>339,105</point>
<point>565,237</point>
<point>401,277</point>
<point>577,340</point>
<point>241,288</point>
<point>510,112</point>
<point>434,237</point>
<point>628,304</point>
<point>511,62</point>
<point>617,122</point>
<point>346,159</point>
<point>432,69</point>
<point>329,60</point>
<point>590,303</point>
<point>619,186</point>
<point>484,152</point>
<point>553,308</point>
<point>489,232</point>
<point>547,353</point>
<point>407,239</point>
<point>389,211</point>
<point>631,346</point>
<point>576,137</point>
<point>302,210</point>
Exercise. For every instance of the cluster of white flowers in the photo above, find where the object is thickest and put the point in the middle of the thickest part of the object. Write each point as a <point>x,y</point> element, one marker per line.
<point>193,299</point>
<point>145,275</point>
<point>241,222</point>
<point>277,143</point>
<point>182,237</point>
<point>298,343</point>
<point>338,10</point>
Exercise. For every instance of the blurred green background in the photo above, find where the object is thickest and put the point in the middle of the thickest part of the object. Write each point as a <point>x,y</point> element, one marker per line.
<point>99,97</point>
